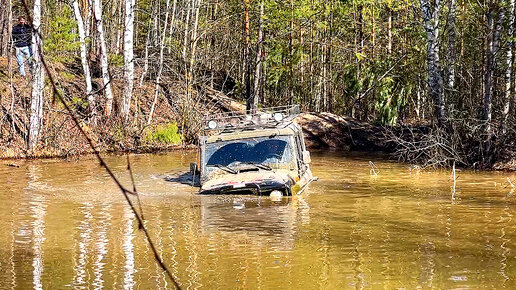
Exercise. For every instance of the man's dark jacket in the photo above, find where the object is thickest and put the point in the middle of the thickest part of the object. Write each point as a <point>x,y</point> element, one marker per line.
<point>22,35</point>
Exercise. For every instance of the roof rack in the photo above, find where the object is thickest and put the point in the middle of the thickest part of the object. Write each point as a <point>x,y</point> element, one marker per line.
<point>263,118</point>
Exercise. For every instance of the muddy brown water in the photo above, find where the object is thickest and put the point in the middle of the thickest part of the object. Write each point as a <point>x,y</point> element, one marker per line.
<point>65,225</point>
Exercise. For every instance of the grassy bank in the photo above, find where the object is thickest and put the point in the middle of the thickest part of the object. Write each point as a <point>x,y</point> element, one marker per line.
<point>59,135</point>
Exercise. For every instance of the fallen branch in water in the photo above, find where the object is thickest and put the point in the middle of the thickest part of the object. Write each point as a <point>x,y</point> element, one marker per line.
<point>373,168</point>
<point>510,182</point>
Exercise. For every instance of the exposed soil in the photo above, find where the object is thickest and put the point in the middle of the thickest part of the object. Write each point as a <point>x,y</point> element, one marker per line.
<point>326,130</point>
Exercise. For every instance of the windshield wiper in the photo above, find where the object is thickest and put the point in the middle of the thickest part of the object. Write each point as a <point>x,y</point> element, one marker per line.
<point>260,165</point>
<point>223,167</point>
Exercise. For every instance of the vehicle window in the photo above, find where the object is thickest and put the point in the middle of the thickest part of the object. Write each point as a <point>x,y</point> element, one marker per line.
<point>229,153</point>
<point>256,150</point>
<point>269,149</point>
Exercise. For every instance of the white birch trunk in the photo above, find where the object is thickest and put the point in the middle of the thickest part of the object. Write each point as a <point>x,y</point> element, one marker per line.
<point>451,46</point>
<point>87,19</point>
<point>146,58</point>
<point>36,104</point>
<point>187,25</point>
<point>160,69</point>
<point>172,23</point>
<point>435,80</point>
<point>146,61</point>
<point>389,30</point>
<point>128,58</point>
<point>508,61</point>
<point>257,72</point>
<point>494,32</point>
<point>103,57</point>
<point>194,43</point>
<point>84,58</point>
<point>119,29</point>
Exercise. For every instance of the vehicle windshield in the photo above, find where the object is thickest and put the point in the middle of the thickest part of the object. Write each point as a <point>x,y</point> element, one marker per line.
<point>262,150</point>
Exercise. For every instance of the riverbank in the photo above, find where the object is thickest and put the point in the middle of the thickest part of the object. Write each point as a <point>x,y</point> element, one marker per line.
<point>329,131</point>
<point>60,137</point>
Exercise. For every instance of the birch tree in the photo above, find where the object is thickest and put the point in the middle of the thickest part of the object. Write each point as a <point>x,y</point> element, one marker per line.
<point>451,46</point>
<point>160,67</point>
<point>5,26</point>
<point>259,45</point>
<point>493,37</point>
<point>36,104</point>
<point>193,42</point>
<point>247,60</point>
<point>508,62</point>
<point>172,23</point>
<point>97,11</point>
<point>84,59</point>
<point>128,58</point>
<point>435,80</point>
<point>389,29</point>
<point>187,26</point>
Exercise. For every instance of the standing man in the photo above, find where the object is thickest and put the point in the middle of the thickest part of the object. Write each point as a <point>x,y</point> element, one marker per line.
<point>22,38</point>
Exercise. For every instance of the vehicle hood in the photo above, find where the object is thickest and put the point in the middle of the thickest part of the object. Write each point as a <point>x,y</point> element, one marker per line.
<point>262,179</point>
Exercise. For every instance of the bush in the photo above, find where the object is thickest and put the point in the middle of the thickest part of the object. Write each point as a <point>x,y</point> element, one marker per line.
<point>116,60</point>
<point>167,134</point>
<point>61,44</point>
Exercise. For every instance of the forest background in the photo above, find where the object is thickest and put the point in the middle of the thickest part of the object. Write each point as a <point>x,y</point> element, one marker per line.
<point>439,74</point>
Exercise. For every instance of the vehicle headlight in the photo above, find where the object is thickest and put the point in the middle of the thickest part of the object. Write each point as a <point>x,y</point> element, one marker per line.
<point>278,117</point>
<point>276,195</point>
<point>212,124</point>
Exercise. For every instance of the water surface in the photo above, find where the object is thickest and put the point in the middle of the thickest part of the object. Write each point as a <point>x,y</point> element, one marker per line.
<point>63,224</point>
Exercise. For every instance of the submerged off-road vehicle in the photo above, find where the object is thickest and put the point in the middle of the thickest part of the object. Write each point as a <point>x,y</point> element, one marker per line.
<point>262,153</point>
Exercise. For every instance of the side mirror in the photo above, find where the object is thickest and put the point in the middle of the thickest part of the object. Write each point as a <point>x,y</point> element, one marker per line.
<point>193,169</point>
<point>306,157</point>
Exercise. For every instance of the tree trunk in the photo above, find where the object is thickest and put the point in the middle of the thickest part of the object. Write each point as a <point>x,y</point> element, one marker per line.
<point>145,60</point>
<point>435,80</point>
<point>103,57</point>
<point>193,48</point>
<point>488,75</point>
<point>7,38</point>
<point>291,55</point>
<point>160,68</point>
<point>172,23</point>
<point>5,26</point>
<point>508,62</point>
<point>84,59</point>
<point>451,48</point>
<point>389,30</point>
<point>187,26</point>
<point>259,45</point>
<point>146,53</point>
<point>118,37</point>
<point>312,59</point>
<point>373,33</point>
<point>493,37</point>
<point>128,58</point>
<point>36,104</point>
<point>87,22</point>
<point>247,60</point>
<point>211,45</point>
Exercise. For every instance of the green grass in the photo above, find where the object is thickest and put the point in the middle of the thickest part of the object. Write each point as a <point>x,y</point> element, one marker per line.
<point>167,134</point>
